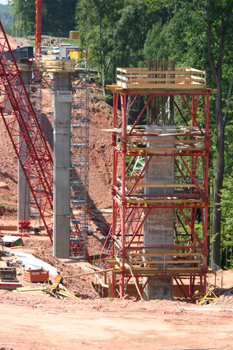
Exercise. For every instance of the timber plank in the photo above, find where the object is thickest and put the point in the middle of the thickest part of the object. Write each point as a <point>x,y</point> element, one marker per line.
<point>136,78</point>
<point>154,271</point>
<point>168,86</point>
<point>155,184</point>
<point>178,70</point>
<point>165,252</point>
<point>168,200</point>
<point>174,262</point>
<point>150,149</point>
<point>172,141</point>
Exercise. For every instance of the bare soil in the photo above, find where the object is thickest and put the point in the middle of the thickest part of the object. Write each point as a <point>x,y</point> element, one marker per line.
<point>42,322</point>
<point>32,322</point>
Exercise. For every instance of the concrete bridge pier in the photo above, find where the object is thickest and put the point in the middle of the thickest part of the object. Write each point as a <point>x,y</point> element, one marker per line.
<point>61,189</point>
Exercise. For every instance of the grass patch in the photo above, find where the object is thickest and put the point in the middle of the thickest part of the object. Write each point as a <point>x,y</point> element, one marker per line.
<point>31,43</point>
<point>72,41</point>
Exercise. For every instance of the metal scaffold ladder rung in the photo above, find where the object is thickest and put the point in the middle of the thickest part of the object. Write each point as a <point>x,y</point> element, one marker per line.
<point>80,145</point>
<point>79,202</point>
<point>74,165</point>
<point>79,172</point>
<point>78,183</point>
<point>78,126</point>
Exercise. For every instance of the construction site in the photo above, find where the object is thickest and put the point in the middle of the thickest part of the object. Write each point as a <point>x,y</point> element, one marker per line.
<point>104,207</point>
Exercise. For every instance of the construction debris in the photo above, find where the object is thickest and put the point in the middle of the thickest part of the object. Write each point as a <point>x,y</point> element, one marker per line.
<point>56,290</point>
<point>210,296</point>
<point>49,41</point>
<point>30,262</point>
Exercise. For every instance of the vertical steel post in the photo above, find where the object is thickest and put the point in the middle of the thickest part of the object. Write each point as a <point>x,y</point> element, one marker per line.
<point>115,98</point>
<point>207,147</point>
<point>123,208</point>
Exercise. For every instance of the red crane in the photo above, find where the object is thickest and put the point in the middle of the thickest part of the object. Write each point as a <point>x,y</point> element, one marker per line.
<point>22,121</point>
<point>38,27</point>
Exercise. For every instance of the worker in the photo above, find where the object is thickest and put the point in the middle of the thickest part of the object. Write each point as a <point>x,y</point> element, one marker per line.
<point>37,230</point>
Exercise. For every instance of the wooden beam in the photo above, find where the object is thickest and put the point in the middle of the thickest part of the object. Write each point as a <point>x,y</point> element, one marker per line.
<point>171,141</point>
<point>165,149</point>
<point>154,184</point>
<point>163,252</point>
<point>178,70</point>
<point>138,262</point>
<point>87,273</point>
<point>156,272</point>
<point>168,200</point>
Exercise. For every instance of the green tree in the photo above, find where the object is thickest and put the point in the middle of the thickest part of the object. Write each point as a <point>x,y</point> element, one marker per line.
<point>114,31</point>
<point>6,16</point>
<point>58,17</point>
<point>219,27</point>
<point>206,40</point>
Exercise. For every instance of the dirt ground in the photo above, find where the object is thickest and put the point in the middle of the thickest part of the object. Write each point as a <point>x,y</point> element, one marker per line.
<point>43,322</point>
<point>32,322</point>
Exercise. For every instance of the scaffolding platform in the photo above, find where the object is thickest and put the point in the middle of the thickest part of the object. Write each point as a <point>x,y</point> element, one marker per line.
<point>182,79</point>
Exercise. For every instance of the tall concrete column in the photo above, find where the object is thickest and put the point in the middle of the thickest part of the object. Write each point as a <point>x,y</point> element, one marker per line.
<point>159,226</point>
<point>23,187</point>
<point>61,189</point>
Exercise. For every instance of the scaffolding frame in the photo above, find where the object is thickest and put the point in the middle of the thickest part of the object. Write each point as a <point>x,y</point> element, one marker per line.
<point>79,172</point>
<point>34,213</point>
<point>129,256</point>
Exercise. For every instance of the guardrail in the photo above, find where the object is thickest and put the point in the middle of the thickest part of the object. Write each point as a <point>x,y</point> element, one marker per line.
<point>180,78</point>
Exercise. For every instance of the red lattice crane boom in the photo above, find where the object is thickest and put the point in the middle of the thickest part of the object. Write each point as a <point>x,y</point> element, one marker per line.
<point>23,127</point>
<point>38,27</point>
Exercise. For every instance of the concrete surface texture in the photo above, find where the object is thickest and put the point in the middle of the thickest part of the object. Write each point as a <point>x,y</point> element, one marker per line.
<point>159,226</point>
<point>23,187</point>
<point>62,114</point>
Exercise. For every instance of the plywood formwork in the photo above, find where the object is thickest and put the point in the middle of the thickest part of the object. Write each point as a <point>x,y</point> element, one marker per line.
<point>188,143</point>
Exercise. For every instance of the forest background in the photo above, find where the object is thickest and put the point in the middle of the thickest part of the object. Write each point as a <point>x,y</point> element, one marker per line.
<point>125,33</point>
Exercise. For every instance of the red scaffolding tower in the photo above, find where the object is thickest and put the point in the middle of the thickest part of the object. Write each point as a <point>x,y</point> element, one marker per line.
<point>186,259</point>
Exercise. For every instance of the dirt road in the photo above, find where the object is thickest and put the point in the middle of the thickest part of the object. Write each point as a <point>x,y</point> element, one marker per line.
<point>32,322</point>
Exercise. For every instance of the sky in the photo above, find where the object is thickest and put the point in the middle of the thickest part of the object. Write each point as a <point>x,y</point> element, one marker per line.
<point>4,2</point>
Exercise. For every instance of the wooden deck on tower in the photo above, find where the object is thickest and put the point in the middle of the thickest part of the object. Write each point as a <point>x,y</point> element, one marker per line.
<point>182,79</point>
